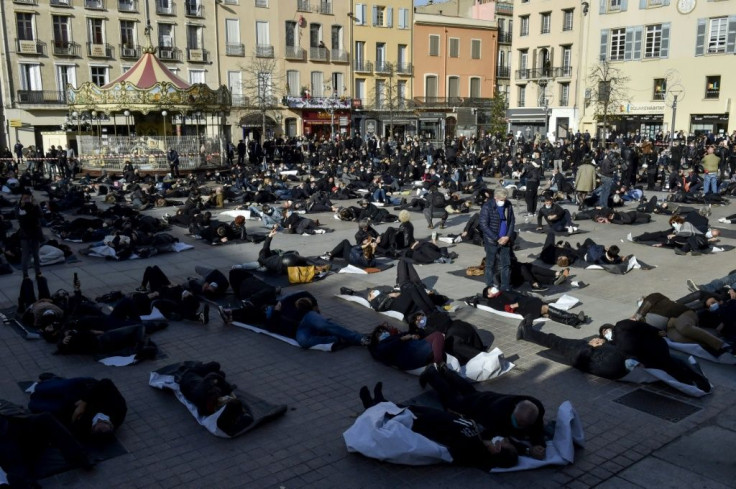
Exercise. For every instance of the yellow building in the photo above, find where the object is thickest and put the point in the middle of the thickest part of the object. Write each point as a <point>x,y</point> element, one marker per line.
<point>682,49</point>
<point>47,44</point>
<point>381,77</point>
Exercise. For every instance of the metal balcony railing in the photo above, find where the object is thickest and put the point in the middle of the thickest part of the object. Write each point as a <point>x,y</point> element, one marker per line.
<point>262,3</point>
<point>61,3</point>
<point>659,95</point>
<point>303,6</point>
<point>26,2</point>
<point>384,67</point>
<point>264,51</point>
<point>362,66</point>
<point>197,55</point>
<point>712,94</point>
<point>32,46</point>
<point>403,68</point>
<point>503,72</point>
<point>505,8</point>
<point>234,49</point>
<point>563,72</point>
<point>169,53</point>
<point>318,54</point>
<point>194,10</point>
<point>294,53</point>
<point>452,102</point>
<point>536,73</point>
<point>128,5</point>
<point>128,51</point>
<point>41,97</point>
<point>240,100</point>
<point>339,56</point>
<point>325,7</point>
<point>65,48</point>
<point>94,4</point>
<point>165,7</point>
<point>504,37</point>
<point>99,50</point>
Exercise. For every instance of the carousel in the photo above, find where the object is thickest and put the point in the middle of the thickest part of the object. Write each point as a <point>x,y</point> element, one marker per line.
<point>145,112</point>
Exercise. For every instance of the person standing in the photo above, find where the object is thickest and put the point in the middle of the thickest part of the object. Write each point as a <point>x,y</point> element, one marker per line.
<point>533,173</point>
<point>497,224</point>
<point>173,159</point>
<point>18,150</point>
<point>31,234</point>
<point>710,166</point>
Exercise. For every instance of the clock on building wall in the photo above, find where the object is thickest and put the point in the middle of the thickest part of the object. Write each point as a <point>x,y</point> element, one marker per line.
<point>685,6</point>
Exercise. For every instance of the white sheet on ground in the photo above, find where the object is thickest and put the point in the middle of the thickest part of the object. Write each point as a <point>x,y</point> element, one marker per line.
<point>641,375</point>
<point>364,302</point>
<point>700,352</point>
<point>178,247</point>
<point>235,213</point>
<point>352,269</point>
<point>565,302</point>
<point>50,255</point>
<point>167,382</point>
<point>505,314</point>
<point>118,361</point>
<point>155,315</point>
<point>285,339</point>
<point>391,439</point>
<point>3,477</point>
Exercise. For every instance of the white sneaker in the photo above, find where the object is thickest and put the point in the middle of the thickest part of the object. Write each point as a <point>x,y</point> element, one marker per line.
<point>458,239</point>
<point>434,236</point>
<point>722,219</point>
<point>319,231</point>
<point>336,217</point>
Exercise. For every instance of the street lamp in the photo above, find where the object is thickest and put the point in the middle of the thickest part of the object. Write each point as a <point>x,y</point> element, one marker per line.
<point>164,114</point>
<point>127,120</point>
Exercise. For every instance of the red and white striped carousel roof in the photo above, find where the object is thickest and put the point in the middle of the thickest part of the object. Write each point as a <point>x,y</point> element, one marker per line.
<point>147,72</point>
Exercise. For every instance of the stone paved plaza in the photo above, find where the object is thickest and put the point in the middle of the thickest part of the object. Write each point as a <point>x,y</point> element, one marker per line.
<point>624,448</point>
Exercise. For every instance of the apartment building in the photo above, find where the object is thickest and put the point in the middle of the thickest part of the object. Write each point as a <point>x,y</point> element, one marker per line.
<point>505,22</point>
<point>454,69</point>
<point>682,49</point>
<point>47,44</point>
<point>381,78</point>
<point>546,43</point>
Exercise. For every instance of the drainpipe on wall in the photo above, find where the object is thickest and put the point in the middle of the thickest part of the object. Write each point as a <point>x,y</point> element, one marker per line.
<point>6,81</point>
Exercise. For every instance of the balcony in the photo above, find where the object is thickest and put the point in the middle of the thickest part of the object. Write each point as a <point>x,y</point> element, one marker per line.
<point>196,55</point>
<point>130,51</point>
<point>712,94</point>
<point>61,3</point>
<point>339,56</point>
<point>404,68</point>
<point>231,2</point>
<point>264,51</point>
<point>659,96</point>
<point>303,6</point>
<point>504,8</point>
<point>325,7</point>
<point>318,54</point>
<point>240,100</point>
<point>503,72</point>
<point>384,67</point>
<point>165,7</point>
<point>563,72</point>
<point>194,10</point>
<point>537,73</point>
<point>169,53</point>
<point>99,50</point>
<point>26,2</point>
<point>65,48</point>
<point>294,53</point>
<point>325,103</point>
<point>94,4</point>
<point>504,37</point>
<point>451,102</point>
<point>262,3</point>
<point>33,46</point>
<point>41,97</point>
<point>128,5</point>
<point>234,49</point>
<point>361,66</point>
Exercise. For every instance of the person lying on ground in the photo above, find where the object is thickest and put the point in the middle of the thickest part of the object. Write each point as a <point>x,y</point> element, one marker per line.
<point>403,350</point>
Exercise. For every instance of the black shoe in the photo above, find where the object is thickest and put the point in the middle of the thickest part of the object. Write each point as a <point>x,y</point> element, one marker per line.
<point>378,393</point>
<point>581,316</point>
<point>539,288</point>
<point>424,376</point>
<point>204,316</point>
<point>678,251</point>
<point>346,291</point>
<point>365,397</point>
<point>226,315</point>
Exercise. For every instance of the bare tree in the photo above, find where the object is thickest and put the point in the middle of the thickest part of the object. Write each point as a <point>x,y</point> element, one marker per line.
<point>391,96</point>
<point>609,88</point>
<point>262,86</point>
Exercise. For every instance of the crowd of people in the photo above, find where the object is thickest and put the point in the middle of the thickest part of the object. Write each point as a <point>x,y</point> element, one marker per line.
<point>372,181</point>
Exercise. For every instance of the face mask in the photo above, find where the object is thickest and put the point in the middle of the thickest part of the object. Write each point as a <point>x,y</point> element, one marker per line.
<point>676,226</point>
<point>709,234</point>
<point>608,335</point>
<point>500,203</point>
<point>713,307</point>
<point>383,336</point>
<point>422,322</point>
<point>547,206</point>
<point>514,423</point>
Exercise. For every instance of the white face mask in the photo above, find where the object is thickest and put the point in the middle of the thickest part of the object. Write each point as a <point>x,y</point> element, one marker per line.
<point>547,206</point>
<point>500,203</point>
<point>422,323</point>
<point>608,335</point>
<point>676,226</point>
<point>383,336</point>
<point>709,234</point>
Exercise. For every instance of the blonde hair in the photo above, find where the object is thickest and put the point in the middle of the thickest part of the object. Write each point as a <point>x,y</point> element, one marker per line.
<point>404,216</point>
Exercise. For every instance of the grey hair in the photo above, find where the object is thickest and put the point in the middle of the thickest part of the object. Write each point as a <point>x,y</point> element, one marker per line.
<point>500,193</point>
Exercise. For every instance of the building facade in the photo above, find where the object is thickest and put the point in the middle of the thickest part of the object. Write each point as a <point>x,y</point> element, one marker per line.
<point>546,44</point>
<point>51,43</point>
<point>664,49</point>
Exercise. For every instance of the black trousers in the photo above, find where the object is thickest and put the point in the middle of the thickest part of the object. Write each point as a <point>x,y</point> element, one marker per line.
<point>531,194</point>
<point>155,278</point>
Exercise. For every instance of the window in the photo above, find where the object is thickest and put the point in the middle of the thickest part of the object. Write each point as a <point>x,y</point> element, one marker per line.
<point>360,9</point>
<point>30,76</point>
<point>567,19</point>
<point>546,19</point>
<point>566,61</point>
<point>523,61</point>
<point>655,3</point>
<point>99,75</point>
<point>614,4</point>
<point>430,86</point>
<point>618,44</point>
<point>453,87</point>
<point>194,37</point>
<point>96,29</point>
<point>293,88</point>
<point>653,43</point>
<point>404,18</point>
<point>196,76</point>
<point>235,84</point>
<point>315,35</point>
<point>717,38</point>
<point>379,16</point>
<point>317,84</point>
<point>380,93</point>
<point>475,87</point>
<point>66,75</point>
<point>292,34</point>
<point>475,49</point>
<point>336,41</point>
<point>660,89</point>
<point>434,45</point>
<point>381,56</point>
<point>166,35</point>
<point>265,88</point>
<point>263,38</point>
<point>25,27</point>
<point>127,33</point>
<point>338,84</point>
<point>360,88</point>
<point>454,48</point>
<point>564,94</point>
<point>402,58</point>
<point>524,30</point>
<point>522,95</point>
<point>62,30</point>
<point>401,93</point>
<point>712,87</point>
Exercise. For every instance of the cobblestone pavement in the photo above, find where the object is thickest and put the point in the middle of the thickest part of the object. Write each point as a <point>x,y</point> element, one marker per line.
<point>624,447</point>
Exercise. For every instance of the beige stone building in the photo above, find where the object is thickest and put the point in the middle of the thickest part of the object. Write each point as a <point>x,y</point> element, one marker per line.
<point>665,48</point>
<point>47,44</point>
<point>546,45</point>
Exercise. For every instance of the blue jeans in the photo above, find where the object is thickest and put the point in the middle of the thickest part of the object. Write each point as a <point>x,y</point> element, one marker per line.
<point>710,181</point>
<point>503,254</point>
<point>606,186</point>
<point>267,220</point>
<point>717,284</point>
<point>315,329</point>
